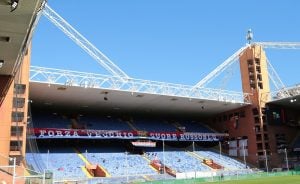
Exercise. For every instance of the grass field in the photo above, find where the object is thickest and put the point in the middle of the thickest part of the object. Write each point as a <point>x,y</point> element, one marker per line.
<point>295,179</point>
<point>290,179</point>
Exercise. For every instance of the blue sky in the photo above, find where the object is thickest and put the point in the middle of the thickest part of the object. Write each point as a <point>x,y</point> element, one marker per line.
<point>170,40</point>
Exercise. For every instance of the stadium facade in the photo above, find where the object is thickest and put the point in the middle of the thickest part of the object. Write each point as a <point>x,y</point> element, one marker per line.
<point>263,130</point>
<point>17,23</point>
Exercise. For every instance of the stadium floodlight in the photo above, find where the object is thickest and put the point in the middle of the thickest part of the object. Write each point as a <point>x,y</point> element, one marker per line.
<point>13,5</point>
<point>1,63</point>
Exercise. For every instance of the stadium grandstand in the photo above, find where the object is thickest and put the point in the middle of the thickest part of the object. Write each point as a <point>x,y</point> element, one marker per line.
<point>62,126</point>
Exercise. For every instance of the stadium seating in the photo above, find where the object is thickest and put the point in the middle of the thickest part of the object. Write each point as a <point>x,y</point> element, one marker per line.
<point>53,120</point>
<point>297,143</point>
<point>48,120</point>
<point>35,162</point>
<point>104,123</point>
<point>64,162</point>
<point>117,162</point>
<point>222,160</point>
<point>192,126</point>
<point>178,160</point>
<point>153,125</point>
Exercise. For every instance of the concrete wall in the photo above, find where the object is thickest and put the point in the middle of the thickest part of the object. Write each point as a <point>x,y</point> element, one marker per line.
<point>5,125</point>
<point>6,108</point>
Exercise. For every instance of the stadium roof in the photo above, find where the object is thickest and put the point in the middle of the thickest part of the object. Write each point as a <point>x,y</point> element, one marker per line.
<point>289,102</point>
<point>15,26</point>
<point>76,98</point>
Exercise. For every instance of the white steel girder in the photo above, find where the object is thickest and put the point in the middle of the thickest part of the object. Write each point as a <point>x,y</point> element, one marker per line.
<point>279,45</point>
<point>81,41</point>
<point>229,61</point>
<point>90,80</point>
<point>288,92</point>
<point>121,81</point>
<point>274,77</point>
<point>281,90</point>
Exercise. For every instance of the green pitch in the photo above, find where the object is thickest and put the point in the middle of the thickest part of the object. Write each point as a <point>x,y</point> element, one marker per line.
<point>291,179</point>
<point>295,179</point>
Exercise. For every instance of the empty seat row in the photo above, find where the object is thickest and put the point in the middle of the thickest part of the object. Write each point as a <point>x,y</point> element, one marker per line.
<point>55,120</point>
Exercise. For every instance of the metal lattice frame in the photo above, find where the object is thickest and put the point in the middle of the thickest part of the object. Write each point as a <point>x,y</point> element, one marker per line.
<point>121,81</point>
<point>90,80</point>
<point>81,41</point>
<point>286,92</point>
<point>281,90</point>
<point>274,77</point>
<point>279,45</point>
<point>272,45</point>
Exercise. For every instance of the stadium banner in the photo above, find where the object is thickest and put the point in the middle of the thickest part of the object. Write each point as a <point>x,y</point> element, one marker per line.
<point>147,143</point>
<point>52,133</point>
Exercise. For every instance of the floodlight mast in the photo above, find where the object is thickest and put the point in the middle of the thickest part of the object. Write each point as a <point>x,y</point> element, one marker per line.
<point>81,41</point>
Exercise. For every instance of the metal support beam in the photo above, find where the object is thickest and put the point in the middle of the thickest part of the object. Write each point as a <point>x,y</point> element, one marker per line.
<point>229,61</point>
<point>81,41</point>
<point>274,77</point>
<point>279,45</point>
<point>90,80</point>
<point>287,92</point>
<point>274,45</point>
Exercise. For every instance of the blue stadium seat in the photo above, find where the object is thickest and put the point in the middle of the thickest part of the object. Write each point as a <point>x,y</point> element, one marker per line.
<point>117,162</point>
<point>153,125</point>
<point>64,162</point>
<point>192,126</point>
<point>104,123</point>
<point>49,120</point>
<point>222,160</point>
<point>178,160</point>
